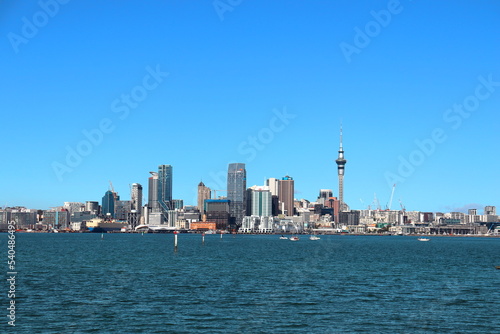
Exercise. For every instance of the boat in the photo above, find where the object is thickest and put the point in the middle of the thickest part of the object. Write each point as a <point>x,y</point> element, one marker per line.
<point>294,239</point>
<point>314,237</point>
<point>423,239</point>
<point>283,237</point>
<point>101,225</point>
<point>497,267</point>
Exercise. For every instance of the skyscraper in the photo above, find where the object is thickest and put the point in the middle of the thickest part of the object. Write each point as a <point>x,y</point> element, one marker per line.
<point>153,192</point>
<point>259,201</point>
<point>273,185</point>
<point>108,203</point>
<point>286,194</point>
<point>136,197</point>
<point>236,192</point>
<point>165,188</point>
<point>203,194</point>
<point>340,168</point>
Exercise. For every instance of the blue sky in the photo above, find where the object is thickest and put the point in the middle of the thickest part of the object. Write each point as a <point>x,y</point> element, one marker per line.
<point>203,80</point>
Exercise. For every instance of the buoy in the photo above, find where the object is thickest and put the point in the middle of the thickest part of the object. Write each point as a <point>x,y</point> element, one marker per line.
<point>203,238</point>
<point>175,239</point>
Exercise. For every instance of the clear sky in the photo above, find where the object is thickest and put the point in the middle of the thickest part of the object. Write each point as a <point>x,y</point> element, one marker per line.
<point>98,91</point>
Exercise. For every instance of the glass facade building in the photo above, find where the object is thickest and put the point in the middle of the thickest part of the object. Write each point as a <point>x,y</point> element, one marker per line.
<point>165,188</point>
<point>108,204</point>
<point>236,193</point>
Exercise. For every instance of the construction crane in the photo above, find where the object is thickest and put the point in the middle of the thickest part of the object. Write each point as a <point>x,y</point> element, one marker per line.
<point>376,202</point>
<point>112,190</point>
<point>392,196</point>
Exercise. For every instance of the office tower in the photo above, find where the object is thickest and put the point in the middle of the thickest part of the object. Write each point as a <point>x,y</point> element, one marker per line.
<point>324,196</point>
<point>203,194</point>
<point>217,211</point>
<point>236,193</point>
<point>136,197</point>
<point>490,210</point>
<point>340,168</point>
<point>122,209</point>
<point>286,195</point>
<point>74,206</point>
<point>108,204</point>
<point>259,201</point>
<point>177,204</point>
<point>153,192</point>
<point>165,188</point>
<point>273,185</point>
<point>92,207</point>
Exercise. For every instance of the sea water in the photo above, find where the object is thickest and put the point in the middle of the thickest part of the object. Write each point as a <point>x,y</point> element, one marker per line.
<point>133,283</point>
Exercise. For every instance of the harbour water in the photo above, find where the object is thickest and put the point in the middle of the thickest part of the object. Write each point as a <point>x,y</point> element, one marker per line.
<point>133,283</point>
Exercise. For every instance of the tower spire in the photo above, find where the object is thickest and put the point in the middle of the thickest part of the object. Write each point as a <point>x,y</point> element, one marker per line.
<point>341,135</point>
<point>340,169</point>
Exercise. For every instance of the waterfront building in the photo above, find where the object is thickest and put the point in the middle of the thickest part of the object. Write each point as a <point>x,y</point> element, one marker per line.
<point>122,209</point>
<point>5,218</point>
<point>203,194</point>
<point>59,219</point>
<point>349,218</point>
<point>286,195</point>
<point>22,217</point>
<point>261,224</point>
<point>217,210</point>
<point>136,198</point>
<point>236,193</point>
<point>341,161</point>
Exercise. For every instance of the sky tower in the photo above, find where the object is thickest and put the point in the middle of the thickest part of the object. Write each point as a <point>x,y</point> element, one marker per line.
<point>340,167</point>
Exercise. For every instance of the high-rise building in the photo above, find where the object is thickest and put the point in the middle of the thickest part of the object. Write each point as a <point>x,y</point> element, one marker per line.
<point>165,188</point>
<point>490,210</point>
<point>177,204</point>
<point>108,203</point>
<point>324,196</point>
<point>92,207</point>
<point>259,201</point>
<point>286,195</point>
<point>74,206</point>
<point>136,197</point>
<point>236,193</point>
<point>473,212</point>
<point>153,192</point>
<point>273,185</point>
<point>217,210</point>
<point>122,209</point>
<point>340,168</point>
<point>203,194</point>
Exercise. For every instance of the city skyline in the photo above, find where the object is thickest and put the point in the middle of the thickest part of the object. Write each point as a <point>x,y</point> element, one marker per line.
<point>87,99</point>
